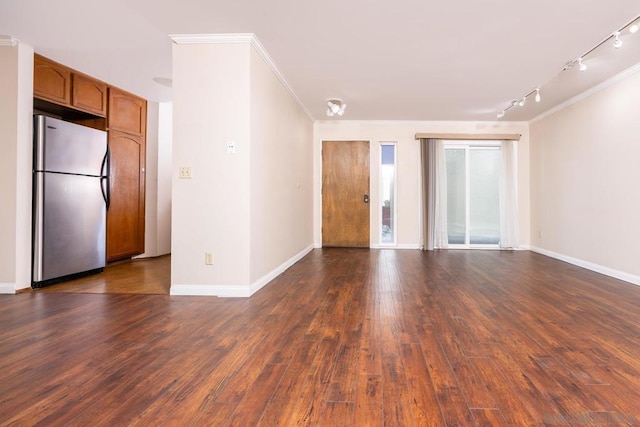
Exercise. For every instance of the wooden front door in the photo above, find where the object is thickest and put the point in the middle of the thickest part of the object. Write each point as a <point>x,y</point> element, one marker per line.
<point>345,193</point>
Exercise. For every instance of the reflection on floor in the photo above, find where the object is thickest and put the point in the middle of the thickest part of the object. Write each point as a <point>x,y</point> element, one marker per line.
<point>140,276</point>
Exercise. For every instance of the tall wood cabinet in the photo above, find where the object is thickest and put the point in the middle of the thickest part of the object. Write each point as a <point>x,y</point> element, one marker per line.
<point>127,121</point>
<point>76,97</point>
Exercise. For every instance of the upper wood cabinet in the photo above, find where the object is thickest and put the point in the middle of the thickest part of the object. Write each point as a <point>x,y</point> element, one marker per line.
<point>89,95</point>
<point>61,85</point>
<point>51,81</point>
<point>127,112</point>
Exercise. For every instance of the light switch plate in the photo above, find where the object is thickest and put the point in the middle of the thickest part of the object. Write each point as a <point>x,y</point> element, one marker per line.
<point>231,147</point>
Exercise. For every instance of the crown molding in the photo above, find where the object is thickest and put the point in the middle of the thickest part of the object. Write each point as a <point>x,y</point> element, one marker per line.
<point>241,38</point>
<point>212,38</point>
<point>8,41</point>
<point>587,93</point>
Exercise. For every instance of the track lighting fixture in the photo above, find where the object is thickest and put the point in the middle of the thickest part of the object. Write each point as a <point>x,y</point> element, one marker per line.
<point>633,26</point>
<point>617,43</point>
<point>336,106</point>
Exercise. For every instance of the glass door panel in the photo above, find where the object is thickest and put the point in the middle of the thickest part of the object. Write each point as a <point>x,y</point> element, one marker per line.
<point>456,195</point>
<point>484,202</point>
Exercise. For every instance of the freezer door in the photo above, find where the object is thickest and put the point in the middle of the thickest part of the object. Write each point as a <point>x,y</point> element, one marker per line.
<point>67,147</point>
<point>70,233</point>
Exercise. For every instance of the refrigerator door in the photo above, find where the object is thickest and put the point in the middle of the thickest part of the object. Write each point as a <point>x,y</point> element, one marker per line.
<point>68,147</point>
<point>69,231</point>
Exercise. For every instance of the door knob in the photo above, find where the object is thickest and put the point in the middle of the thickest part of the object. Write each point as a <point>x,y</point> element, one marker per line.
<point>366,198</point>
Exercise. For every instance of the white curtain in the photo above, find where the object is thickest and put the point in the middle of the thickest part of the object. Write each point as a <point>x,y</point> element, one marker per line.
<point>509,229</point>
<point>436,195</point>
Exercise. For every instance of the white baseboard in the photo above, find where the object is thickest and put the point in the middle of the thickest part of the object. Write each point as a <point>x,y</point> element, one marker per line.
<point>7,288</point>
<point>617,274</point>
<point>261,282</point>
<point>238,291</point>
<point>410,246</point>
<point>210,290</point>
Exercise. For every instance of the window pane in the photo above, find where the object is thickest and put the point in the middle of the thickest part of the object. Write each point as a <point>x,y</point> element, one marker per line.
<point>387,187</point>
<point>456,195</point>
<point>388,154</point>
<point>484,202</point>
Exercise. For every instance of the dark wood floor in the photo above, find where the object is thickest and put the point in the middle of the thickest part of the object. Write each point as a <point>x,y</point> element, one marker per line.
<point>344,337</point>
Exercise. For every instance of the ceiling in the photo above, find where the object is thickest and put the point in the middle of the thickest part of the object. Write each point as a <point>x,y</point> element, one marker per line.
<point>400,60</point>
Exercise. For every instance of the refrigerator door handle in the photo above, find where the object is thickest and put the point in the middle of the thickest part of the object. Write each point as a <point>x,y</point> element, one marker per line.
<point>105,177</point>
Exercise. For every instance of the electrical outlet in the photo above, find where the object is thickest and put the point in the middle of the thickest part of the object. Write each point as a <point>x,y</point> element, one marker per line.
<point>208,258</point>
<point>184,172</point>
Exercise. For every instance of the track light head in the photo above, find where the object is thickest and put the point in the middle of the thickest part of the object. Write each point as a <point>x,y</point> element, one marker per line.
<point>336,106</point>
<point>581,65</point>
<point>617,43</point>
<point>522,101</point>
<point>538,98</point>
<point>634,28</point>
<point>501,114</point>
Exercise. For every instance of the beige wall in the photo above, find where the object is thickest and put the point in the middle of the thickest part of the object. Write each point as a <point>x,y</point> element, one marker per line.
<point>16,109</point>
<point>244,207</point>
<point>281,172</point>
<point>408,168</point>
<point>585,174</point>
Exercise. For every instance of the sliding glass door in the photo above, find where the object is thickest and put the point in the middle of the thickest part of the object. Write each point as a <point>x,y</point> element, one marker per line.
<point>473,204</point>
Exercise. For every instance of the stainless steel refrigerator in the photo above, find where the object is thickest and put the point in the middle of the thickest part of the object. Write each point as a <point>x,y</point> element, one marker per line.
<point>70,200</point>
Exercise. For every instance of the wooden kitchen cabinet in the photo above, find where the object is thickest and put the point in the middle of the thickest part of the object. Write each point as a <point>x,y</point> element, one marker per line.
<point>125,216</point>
<point>51,81</point>
<point>89,94</point>
<point>127,113</point>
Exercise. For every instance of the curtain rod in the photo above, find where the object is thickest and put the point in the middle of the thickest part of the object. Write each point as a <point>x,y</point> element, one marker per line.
<point>472,136</point>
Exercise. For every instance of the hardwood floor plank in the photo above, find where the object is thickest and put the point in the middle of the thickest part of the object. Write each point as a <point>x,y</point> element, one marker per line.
<point>425,408</point>
<point>489,418</point>
<point>454,407</point>
<point>368,409</point>
<point>254,403</point>
<point>396,399</point>
<point>337,414</point>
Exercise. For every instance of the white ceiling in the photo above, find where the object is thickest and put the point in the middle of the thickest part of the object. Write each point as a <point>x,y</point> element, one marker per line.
<point>388,60</point>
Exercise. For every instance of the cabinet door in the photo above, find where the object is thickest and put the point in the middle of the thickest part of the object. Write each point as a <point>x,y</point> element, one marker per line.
<point>125,217</point>
<point>127,113</point>
<point>51,81</point>
<point>89,95</point>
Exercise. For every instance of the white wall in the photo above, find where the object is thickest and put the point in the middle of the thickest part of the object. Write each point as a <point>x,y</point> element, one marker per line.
<point>408,168</point>
<point>151,183</point>
<point>16,110</point>
<point>281,172</point>
<point>585,174</point>
<point>246,208</point>
<point>211,210</point>
<point>165,154</point>
<point>158,180</point>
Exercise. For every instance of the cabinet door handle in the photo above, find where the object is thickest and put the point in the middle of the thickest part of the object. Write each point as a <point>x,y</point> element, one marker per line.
<point>366,198</point>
